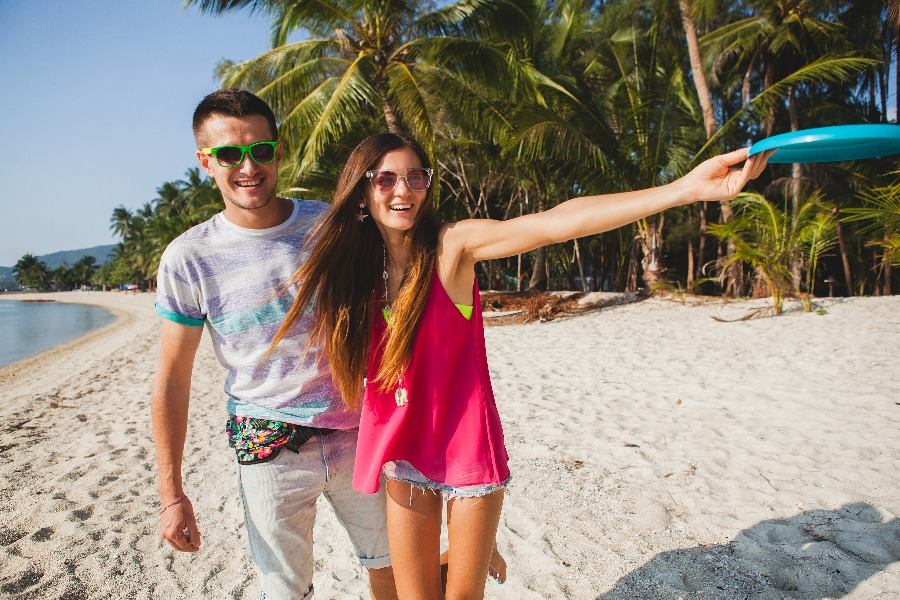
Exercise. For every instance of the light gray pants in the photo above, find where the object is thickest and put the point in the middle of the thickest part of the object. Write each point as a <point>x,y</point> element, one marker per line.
<point>279,498</point>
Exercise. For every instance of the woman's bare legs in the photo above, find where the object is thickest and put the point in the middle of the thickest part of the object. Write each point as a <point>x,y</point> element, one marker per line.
<point>472,529</point>
<point>496,568</point>
<point>414,539</point>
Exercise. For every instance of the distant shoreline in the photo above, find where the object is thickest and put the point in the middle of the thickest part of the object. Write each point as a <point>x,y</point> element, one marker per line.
<point>29,365</point>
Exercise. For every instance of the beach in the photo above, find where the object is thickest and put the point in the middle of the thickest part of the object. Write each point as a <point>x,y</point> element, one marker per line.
<point>659,449</point>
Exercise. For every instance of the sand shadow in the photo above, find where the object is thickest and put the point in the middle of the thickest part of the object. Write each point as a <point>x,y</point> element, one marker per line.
<point>813,555</point>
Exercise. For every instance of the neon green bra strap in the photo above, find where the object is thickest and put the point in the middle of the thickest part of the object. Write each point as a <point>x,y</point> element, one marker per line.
<point>464,309</point>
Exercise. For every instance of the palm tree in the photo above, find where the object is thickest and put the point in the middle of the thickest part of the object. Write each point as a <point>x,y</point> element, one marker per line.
<point>880,215</point>
<point>687,10</point>
<point>83,270</point>
<point>621,118</point>
<point>145,233</point>
<point>31,272</point>
<point>62,278</point>
<point>120,222</point>
<point>769,239</point>
<point>369,64</point>
<point>785,46</point>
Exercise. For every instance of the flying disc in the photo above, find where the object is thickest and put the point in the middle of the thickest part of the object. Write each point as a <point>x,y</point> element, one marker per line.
<point>831,144</point>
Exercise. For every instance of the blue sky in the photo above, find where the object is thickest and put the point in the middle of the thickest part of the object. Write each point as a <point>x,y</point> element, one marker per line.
<point>96,105</point>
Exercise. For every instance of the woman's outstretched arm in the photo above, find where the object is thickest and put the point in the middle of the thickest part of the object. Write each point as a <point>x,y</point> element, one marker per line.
<point>712,180</point>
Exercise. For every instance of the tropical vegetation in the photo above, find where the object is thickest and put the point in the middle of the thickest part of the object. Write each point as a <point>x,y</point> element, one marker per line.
<point>32,273</point>
<point>524,103</point>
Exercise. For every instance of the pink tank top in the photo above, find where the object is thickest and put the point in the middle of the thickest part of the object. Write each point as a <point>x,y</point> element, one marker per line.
<point>449,429</point>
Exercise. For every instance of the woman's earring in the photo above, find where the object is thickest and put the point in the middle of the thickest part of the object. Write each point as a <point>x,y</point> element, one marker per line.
<point>363,213</point>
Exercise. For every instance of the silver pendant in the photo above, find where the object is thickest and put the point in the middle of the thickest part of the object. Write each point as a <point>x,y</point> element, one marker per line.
<point>400,396</point>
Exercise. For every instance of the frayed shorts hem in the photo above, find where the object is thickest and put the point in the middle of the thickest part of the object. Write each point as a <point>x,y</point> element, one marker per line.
<point>400,470</point>
<point>381,562</point>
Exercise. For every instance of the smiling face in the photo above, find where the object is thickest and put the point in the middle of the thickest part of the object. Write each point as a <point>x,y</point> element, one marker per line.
<point>248,186</point>
<point>396,210</point>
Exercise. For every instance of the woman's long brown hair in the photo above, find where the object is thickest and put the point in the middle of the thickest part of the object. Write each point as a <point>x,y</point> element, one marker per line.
<point>341,276</point>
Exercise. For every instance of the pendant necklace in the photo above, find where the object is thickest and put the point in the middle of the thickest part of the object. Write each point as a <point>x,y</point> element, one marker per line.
<point>400,395</point>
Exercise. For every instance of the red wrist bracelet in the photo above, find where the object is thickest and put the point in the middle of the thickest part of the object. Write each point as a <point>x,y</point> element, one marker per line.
<point>172,503</point>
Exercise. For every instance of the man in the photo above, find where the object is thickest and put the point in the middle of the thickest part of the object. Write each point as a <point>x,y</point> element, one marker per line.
<point>292,436</point>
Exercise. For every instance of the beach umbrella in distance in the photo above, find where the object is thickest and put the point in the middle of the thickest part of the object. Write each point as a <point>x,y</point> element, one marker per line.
<point>832,144</point>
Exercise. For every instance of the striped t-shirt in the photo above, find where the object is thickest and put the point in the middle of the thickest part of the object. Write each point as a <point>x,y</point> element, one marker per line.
<point>228,278</point>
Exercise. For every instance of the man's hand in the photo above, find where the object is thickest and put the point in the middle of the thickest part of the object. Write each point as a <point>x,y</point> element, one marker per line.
<point>169,413</point>
<point>178,526</point>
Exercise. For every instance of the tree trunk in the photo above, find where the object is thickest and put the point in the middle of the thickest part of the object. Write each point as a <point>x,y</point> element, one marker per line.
<point>651,241</point>
<point>842,244</point>
<point>796,269</point>
<point>391,118</point>
<point>689,284</point>
<point>701,246</point>
<point>883,76</point>
<point>769,81</point>
<point>699,77</point>
<point>632,275</point>
<point>539,268</point>
<point>519,273</point>
<point>897,69</point>
<point>584,287</point>
<point>709,116</point>
<point>733,283</point>
<point>872,109</point>
<point>877,290</point>
<point>886,266</point>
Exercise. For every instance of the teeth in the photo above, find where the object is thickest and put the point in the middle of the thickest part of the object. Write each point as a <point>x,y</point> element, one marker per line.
<point>400,206</point>
<point>248,183</point>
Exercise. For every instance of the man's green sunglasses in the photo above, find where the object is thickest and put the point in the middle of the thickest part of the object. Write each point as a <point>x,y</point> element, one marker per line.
<point>230,157</point>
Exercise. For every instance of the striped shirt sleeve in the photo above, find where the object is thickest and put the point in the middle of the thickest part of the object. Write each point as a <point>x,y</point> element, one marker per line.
<point>177,293</point>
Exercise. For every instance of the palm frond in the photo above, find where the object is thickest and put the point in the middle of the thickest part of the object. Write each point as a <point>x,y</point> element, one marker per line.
<point>352,94</point>
<point>408,95</point>
<point>497,20</point>
<point>477,59</point>
<point>217,7</point>
<point>289,87</point>
<point>832,68</point>
<point>738,32</point>
<point>260,70</point>
<point>544,134</point>
<point>471,107</point>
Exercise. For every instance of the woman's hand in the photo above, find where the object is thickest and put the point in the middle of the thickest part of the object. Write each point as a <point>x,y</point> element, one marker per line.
<point>716,179</point>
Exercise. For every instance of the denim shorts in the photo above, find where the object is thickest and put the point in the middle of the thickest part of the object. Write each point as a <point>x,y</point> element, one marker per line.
<point>279,497</point>
<point>400,470</point>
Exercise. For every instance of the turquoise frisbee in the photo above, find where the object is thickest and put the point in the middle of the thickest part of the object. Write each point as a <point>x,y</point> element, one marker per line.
<point>831,144</point>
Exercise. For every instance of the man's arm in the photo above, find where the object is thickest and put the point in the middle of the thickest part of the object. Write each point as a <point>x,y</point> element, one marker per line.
<point>169,414</point>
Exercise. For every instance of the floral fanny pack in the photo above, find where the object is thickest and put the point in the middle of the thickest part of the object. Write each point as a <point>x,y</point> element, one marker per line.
<point>261,440</point>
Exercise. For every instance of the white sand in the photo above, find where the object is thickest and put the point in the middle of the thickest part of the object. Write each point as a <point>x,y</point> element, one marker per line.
<point>656,453</point>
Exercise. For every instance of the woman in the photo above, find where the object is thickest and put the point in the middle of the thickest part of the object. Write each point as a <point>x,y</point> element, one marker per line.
<point>400,321</point>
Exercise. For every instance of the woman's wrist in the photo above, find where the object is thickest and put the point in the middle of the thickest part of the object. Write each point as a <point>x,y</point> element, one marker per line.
<point>679,193</point>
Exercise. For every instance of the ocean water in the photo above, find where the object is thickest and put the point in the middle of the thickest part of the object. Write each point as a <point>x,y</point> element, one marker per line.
<point>28,328</point>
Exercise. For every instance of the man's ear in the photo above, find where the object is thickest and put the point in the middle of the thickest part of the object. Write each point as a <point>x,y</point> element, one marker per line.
<point>204,162</point>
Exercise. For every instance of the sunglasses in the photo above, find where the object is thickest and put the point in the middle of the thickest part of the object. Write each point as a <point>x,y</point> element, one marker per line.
<point>262,153</point>
<point>417,180</point>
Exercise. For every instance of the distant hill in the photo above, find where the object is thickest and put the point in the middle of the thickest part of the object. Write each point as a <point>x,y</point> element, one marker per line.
<point>7,281</point>
<point>103,254</point>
